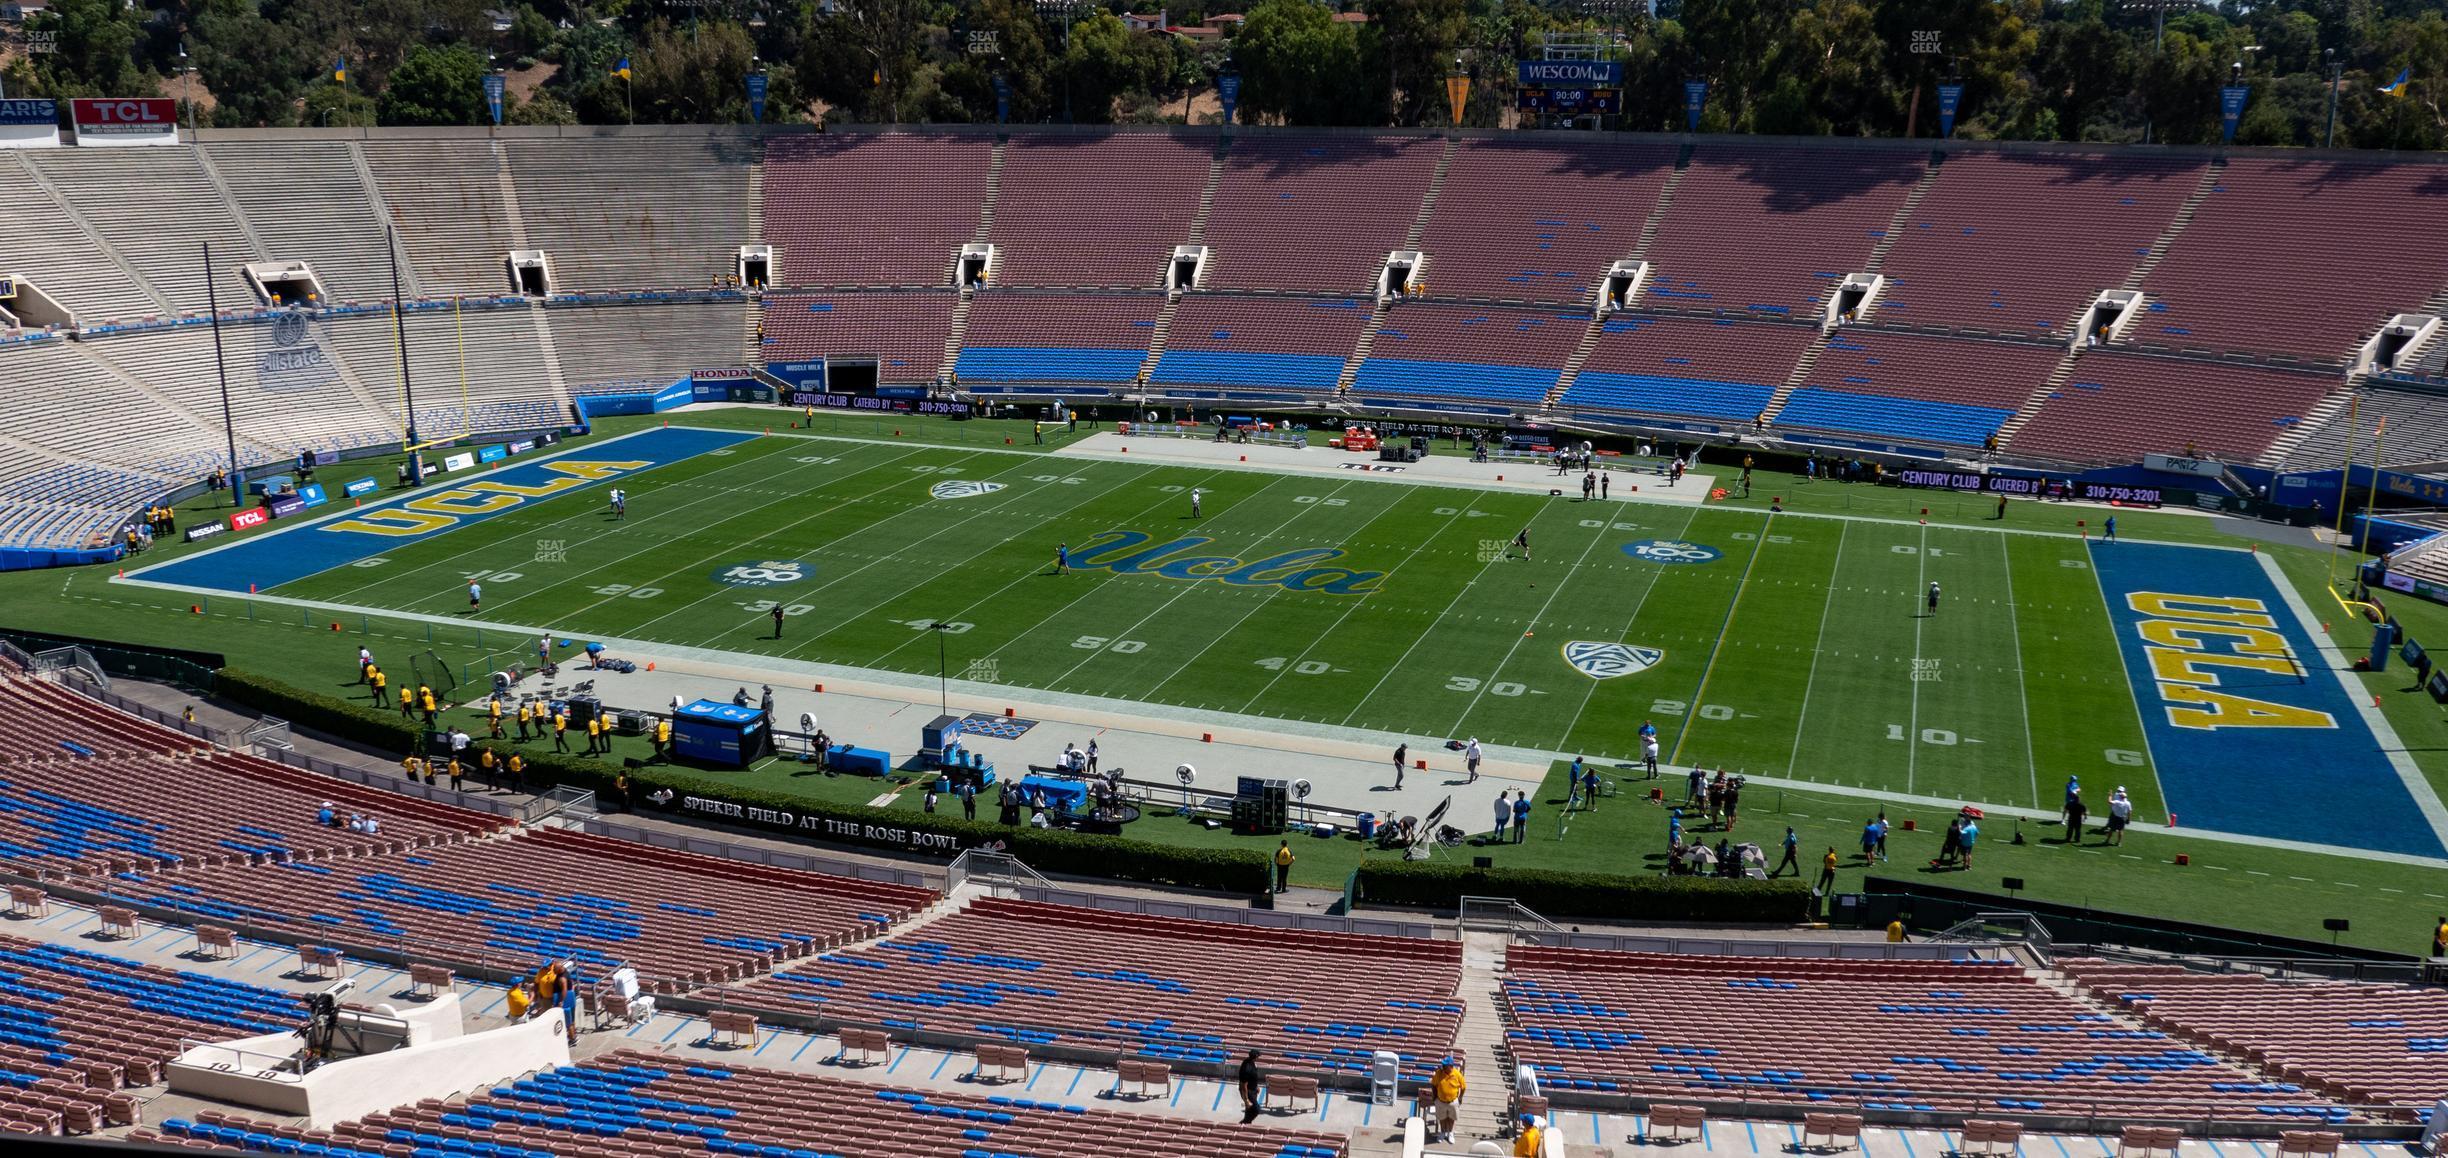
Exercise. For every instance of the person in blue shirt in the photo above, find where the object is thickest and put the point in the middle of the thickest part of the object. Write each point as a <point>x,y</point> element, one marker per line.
<point>1869,840</point>
<point>326,817</point>
<point>2110,529</point>
<point>1971,832</point>
<point>1521,817</point>
<point>1674,829</point>
<point>1793,849</point>
<point>1589,784</point>
<point>1648,730</point>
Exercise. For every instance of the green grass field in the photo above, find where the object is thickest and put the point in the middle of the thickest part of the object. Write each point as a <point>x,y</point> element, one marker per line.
<point>1800,650</point>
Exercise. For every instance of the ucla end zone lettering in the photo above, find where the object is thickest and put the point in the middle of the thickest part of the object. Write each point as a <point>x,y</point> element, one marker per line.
<point>2246,716</point>
<point>266,561</point>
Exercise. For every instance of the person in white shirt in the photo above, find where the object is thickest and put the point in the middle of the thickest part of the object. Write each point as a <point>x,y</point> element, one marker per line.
<point>365,660</point>
<point>1470,760</point>
<point>373,825</point>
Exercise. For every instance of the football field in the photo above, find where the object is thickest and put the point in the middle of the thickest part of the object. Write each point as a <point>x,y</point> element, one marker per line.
<point>1788,645</point>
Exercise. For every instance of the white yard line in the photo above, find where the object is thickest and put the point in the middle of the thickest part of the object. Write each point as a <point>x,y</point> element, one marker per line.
<point>1268,599</point>
<point>1817,646</point>
<point>1027,574</point>
<point>1912,731</point>
<point>2014,632</point>
<point>1456,601</point>
<point>1336,627</point>
<point>1655,573</point>
<point>2132,694</point>
<point>1187,588</point>
<point>1507,657</point>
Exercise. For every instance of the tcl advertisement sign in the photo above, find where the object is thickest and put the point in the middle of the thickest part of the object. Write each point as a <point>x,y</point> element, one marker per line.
<point>250,517</point>
<point>125,121</point>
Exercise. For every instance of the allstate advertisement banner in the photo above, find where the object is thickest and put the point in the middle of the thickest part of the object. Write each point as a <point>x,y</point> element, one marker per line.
<point>116,121</point>
<point>1569,73</point>
<point>348,535</point>
<point>289,356</point>
<point>312,495</point>
<point>29,124</point>
<point>363,486</point>
<point>799,375</point>
<point>492,453</point>
<point>2245,712</point>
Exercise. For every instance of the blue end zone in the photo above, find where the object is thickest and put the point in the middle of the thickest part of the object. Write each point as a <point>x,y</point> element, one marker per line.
<point>1049,364</point>
<point>2239,747</point>
<point>1912,418</point>
<point>1215,368</point>
<point>267,560</point>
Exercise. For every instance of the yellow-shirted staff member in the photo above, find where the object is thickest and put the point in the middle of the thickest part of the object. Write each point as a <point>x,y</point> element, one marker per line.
<point>1527,1143</point>
<point>518,771</point>
<point>1283,866</point>
<point>411,767</point>
<point>493,716</point>
<point>560,730</point>
<point>519,1001</point>
<point>523,717</point>
<point>595,736</point>
<point>375,676</point>
<point>407,701</point>
<point>485,760</point>
<point>662,739</point>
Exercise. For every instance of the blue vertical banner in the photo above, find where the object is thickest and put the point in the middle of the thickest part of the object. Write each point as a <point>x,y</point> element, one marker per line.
<point>2231,110</point>
<point>757,83</point>
<point>1695,98</point>
<point>493,96</point>
<point>1002,89</point>
<point>1950,98</point>
<point>1228,90</point>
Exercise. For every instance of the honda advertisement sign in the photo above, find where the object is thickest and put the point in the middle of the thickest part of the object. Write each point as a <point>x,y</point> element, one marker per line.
<point>29,124</point>
<point>125,120</point>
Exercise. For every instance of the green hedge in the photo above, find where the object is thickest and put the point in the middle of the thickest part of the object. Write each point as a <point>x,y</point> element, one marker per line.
<point>1246,870</point>
<point>1551,893</point>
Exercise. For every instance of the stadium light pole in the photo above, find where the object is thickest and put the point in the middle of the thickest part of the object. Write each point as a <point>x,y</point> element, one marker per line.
<point>229,428</point>
<point>2158,10</point>
<point>1064,8</point>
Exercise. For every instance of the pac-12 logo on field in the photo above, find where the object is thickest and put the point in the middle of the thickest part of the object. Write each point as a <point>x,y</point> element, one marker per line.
<point>963,489</point>
<point>1605,661</point>
<point>768,573</point>
<point>1671,551</point>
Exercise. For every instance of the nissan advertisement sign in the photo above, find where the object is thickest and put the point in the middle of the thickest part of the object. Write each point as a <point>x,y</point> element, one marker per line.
<point>125,120</point>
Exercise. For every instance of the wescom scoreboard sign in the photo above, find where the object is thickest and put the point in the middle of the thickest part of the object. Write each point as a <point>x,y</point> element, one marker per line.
<point>29,124</point>
<point>117,121</point>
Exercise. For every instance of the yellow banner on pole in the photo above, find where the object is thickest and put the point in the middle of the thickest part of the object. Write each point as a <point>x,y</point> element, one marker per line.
<point>1457,93</point>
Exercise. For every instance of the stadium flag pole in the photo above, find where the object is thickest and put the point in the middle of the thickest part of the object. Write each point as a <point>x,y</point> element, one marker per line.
<point>399,329</point>
<point>212,303</point>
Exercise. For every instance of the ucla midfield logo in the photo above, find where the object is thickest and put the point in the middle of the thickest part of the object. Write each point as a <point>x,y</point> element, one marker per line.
<point>1128,553</point>
<point>963,489</point>
<point>1605,661</point>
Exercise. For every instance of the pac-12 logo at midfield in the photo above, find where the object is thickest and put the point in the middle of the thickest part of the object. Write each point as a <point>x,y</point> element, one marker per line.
<point>1605,661</point>
<point>963,489</point>
<point>1671,551</point>
<point>767,573</point>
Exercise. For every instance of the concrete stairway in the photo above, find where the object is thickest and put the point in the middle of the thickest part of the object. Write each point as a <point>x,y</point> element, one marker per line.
<point>1480,1041</point>
<point>2176,225</point>
<point>1903,215</point>
<point>1597,323</point>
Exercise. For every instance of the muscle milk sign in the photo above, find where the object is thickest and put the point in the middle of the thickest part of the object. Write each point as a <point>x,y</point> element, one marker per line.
<point>125,121</point>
